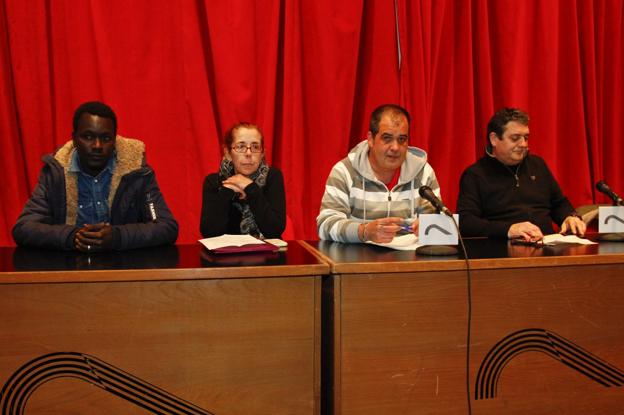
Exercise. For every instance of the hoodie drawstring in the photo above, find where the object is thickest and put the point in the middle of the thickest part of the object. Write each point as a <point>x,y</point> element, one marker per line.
<point>412,198</point>
<point>364,191</point>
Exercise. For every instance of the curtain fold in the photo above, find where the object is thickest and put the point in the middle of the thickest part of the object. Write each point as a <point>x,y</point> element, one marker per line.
<point>309,72</point>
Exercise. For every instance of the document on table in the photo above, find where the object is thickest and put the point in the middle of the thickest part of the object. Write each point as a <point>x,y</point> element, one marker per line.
<point>410,241</point>
<point>557,238</point>
<point>407,242</point>
<point>236,243</point>
<point>281,244</point>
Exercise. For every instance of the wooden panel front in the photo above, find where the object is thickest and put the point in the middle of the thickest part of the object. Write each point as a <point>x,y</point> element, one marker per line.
<point>236,346</point>
<point>568,330</point>
<point>400,341</point>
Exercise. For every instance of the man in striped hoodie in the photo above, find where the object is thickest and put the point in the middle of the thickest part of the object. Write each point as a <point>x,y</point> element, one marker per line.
<point>373,193</point>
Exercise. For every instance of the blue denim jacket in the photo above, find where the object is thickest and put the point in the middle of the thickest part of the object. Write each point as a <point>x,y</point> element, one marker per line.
<point>92,193</point>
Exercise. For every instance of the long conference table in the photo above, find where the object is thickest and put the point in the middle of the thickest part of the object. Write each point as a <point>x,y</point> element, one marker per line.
<point>320,328</point>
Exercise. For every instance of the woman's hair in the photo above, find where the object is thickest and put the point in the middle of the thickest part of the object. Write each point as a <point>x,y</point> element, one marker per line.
<point>228,140</point>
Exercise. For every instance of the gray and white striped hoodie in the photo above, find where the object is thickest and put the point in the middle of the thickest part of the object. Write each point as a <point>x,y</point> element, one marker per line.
<point>354,195</point>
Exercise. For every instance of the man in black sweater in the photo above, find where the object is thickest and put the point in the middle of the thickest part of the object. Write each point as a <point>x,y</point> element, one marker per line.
<point>509,193</point>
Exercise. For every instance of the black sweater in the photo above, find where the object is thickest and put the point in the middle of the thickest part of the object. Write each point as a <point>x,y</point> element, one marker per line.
<point>490,202</point>
<point>268,205</point>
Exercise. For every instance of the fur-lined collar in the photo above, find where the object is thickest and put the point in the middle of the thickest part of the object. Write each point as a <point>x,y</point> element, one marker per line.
<point>130,154</point>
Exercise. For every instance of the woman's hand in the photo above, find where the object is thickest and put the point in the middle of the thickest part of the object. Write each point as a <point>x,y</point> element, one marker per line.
<point>238,183</point>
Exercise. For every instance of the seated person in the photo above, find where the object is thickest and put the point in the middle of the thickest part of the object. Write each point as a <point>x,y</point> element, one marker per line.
<point>509,192</point>
<point>246,196</point>
<point>374,190</point>
<point>96,193</point>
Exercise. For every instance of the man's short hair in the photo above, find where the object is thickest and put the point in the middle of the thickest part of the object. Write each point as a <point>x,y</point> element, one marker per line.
<point>500,119</point>
<point>378,112</point>
<point>95,108</point>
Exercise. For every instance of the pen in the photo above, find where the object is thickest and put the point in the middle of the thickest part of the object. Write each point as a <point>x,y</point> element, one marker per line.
<point>405,228</point>
<point>520,241</point>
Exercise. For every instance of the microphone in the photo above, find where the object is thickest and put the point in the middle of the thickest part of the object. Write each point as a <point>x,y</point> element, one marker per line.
<point>426,193</point>
<point>602,187</point>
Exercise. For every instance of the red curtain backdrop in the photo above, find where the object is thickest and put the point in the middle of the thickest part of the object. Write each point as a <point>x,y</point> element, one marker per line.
<point>309,72</point>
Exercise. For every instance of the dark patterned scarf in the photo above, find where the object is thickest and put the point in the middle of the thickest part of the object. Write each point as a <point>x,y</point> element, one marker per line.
<point>248,224</point>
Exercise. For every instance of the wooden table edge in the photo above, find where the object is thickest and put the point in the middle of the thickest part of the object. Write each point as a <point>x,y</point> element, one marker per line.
<point>162,274</point>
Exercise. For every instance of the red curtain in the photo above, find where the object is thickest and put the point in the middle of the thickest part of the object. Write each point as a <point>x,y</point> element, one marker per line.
<point>309,72</point>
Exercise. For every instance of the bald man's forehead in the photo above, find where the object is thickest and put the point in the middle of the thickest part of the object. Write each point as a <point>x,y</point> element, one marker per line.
<point>394,118</point>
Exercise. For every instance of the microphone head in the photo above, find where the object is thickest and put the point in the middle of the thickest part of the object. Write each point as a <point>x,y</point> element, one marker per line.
<point>604,188</point>
<point>601,186</point>
<point>425,191</point>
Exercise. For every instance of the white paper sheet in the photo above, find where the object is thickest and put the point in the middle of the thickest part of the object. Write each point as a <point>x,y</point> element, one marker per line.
<point>557,238</point>
<point>229,240</point>
<point>407,242</point>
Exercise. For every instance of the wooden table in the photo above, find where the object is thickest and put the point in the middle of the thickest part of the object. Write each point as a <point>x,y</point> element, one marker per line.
<point>547,330</point>
<point>171,330</point>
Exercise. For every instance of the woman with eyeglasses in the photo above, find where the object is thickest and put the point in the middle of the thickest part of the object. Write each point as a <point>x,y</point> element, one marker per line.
<point>246,196</point>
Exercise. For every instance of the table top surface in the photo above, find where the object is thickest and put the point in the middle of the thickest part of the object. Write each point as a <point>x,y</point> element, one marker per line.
<point>482,253</point>
<point>165,262</point>
<point>302,258</point>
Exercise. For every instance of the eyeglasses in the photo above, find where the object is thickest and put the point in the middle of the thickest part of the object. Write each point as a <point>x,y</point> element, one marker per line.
<point>242,148</point>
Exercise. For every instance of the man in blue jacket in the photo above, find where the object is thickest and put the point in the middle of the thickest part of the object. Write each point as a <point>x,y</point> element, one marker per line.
<point>96,193</point>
